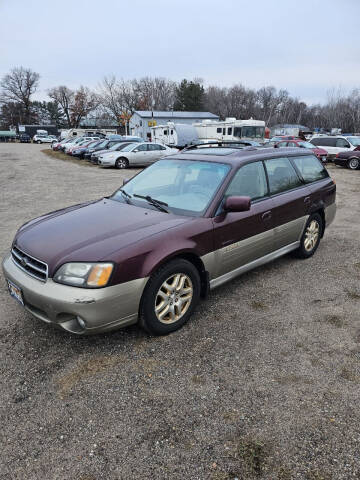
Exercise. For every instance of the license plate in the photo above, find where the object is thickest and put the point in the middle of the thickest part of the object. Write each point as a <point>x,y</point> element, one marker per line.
<point>15,292</point>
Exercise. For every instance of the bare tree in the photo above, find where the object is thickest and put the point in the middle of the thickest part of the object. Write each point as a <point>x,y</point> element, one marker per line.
<point>85,101</point>
<point>64,96</point>
<point>18,86</point>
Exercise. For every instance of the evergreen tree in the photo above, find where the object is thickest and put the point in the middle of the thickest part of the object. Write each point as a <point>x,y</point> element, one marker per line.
<point>189,96</point>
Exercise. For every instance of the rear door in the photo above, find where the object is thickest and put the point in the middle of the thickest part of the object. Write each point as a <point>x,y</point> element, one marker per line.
<point>291,198</point>
<point>242,237</point>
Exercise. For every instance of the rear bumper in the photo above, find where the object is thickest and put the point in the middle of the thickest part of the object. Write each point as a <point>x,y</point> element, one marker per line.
<point>101,309</point>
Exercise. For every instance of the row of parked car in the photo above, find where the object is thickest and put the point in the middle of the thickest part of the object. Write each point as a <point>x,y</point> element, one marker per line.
<point>343,150</point>
<point>115,151</point>
<point>123,151</point>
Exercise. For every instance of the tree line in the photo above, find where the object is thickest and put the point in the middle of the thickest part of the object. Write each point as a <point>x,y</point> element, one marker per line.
<point>114,101</point>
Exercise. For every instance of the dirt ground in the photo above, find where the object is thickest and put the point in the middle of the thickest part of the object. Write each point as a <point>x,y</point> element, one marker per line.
<point>262,383</point>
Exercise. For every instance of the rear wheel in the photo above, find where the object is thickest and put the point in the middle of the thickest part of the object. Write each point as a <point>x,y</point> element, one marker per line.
<point>170,297</point>
<point>121,163</point>
<point>311,237</point>
<point>354,163</point>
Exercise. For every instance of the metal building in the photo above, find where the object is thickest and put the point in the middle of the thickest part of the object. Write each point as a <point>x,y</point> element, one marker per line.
<point>142,120</point>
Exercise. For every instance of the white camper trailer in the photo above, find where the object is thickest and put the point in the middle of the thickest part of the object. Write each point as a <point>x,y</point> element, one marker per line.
<point>231,130</point>
<point>80,132</point>
<point>174,134</point>
<point>179,135</point>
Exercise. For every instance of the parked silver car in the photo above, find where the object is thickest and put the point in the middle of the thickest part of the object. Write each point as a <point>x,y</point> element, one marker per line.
<point>135,154</point>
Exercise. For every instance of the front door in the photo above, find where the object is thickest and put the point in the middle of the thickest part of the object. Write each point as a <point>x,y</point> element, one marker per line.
<point>242,237</point>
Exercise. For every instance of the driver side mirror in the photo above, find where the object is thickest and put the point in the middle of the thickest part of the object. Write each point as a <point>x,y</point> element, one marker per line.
<point>125,181</point>
<point>237,204</point>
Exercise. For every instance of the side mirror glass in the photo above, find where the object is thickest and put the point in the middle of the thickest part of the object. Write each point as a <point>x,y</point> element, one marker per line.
<point>237,204</point>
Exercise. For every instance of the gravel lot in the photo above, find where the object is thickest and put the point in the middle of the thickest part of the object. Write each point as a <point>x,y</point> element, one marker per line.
<point>263,383</point>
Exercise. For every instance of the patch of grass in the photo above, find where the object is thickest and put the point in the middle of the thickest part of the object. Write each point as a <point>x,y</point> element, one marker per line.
<point>334,320</point>
<point>198,380</point>
<point>84,370</point>
<point>348,374</point>
<point>284,473</point>
<point>353,295</point>
<point>317,475</point>
<point>66,158</point>
<point>258,305</point>
<point>253,453</point>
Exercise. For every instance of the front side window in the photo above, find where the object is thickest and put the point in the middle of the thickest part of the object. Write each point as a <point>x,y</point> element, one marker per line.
<point>139,148</point>
<point>342,143</point>
<point>310,168</point>
<point>282,175</point>
<point>186,186</point>
<point>249,181</point>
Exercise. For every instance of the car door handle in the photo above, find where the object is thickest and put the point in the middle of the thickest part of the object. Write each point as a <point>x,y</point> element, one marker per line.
<point>266,215</point>
<point>307,200</point>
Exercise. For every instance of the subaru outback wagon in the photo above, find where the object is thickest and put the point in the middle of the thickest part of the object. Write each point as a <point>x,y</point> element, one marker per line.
<point>179,228</point>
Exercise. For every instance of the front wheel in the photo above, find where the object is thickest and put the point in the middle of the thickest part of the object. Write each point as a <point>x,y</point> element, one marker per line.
<point>311,237</point>
<point>39,141</point>
<point>121,163</point>
<point>354,163</point>
<point>170,297</point>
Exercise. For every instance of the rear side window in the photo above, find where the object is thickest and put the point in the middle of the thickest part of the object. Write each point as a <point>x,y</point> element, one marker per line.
<point>249,181</point>
<point>282,175</point>
<point>324,141</point>
<point>310,168</point>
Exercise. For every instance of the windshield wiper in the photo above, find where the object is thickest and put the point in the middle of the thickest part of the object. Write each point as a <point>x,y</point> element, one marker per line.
<point>125,194</point>
<point>156,203</point>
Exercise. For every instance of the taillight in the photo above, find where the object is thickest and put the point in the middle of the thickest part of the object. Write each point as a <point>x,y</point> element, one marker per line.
<point>336,155</point>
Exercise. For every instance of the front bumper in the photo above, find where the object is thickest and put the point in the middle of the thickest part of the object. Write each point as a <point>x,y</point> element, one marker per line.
<point>102,309</point>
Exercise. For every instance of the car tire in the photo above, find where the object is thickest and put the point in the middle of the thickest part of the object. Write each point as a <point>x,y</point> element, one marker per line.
<point>122,163</point>
<point>39,141</point>
<point>170,297</point>
<point>354,163</point>
<point>311,237</point>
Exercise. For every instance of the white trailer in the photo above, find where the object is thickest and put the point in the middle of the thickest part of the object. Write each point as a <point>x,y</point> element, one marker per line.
<point>80,132</point>
<point>231,130</point>
<point>179,135</point>
<point>174,134</point>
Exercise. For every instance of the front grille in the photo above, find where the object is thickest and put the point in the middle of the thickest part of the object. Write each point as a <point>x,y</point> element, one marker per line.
<point>30,265</point>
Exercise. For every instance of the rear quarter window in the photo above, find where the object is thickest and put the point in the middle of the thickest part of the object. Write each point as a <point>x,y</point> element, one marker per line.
<point>310,168</point>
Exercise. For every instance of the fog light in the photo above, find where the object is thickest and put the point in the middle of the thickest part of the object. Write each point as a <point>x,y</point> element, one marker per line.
<point>81,322</point>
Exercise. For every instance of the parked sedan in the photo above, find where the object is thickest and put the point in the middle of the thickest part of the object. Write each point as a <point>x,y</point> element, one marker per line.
<point>81,148</point>
<point>135,154</point>
<point>319,152</point>
<point>181,227</point>
<point>348,159</point>
<point>58,145</point>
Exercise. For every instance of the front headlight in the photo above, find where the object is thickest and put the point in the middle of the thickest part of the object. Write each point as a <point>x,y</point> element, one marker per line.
<point>86,275</point>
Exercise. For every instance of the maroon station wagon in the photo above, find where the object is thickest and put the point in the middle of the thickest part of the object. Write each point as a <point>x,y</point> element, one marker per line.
<point>179,228</point>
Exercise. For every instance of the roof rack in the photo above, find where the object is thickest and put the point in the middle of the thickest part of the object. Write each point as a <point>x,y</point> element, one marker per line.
<point>240,144</point>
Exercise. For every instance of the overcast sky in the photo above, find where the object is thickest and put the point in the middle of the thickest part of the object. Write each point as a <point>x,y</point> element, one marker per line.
<point>306,47</point>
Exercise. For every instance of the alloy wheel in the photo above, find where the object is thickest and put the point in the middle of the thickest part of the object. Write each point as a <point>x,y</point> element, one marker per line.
<point>354,164</point>
<point>173,298</point>
<point>311,235</point>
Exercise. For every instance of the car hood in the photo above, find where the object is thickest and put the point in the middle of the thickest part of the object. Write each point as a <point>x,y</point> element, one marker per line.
<point>90,232</point>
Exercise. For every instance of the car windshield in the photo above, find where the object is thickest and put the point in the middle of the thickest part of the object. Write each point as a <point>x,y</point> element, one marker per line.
<point>306,145</point>
<point>114,147</point>
<point>186,186</point>
<point>354,141</point>
<point>103,143</point>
